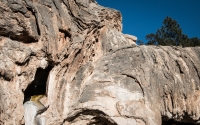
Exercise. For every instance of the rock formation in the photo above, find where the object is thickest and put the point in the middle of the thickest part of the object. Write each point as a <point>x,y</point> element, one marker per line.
<point>73,51</point>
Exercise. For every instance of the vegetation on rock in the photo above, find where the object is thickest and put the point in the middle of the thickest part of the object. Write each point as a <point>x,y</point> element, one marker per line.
<point>171,34</point>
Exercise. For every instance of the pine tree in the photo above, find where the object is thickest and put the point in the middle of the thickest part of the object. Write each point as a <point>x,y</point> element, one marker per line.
<point>171,34</point>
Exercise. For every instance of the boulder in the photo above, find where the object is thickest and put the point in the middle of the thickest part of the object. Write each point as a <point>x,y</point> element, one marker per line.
<point>89,71</point>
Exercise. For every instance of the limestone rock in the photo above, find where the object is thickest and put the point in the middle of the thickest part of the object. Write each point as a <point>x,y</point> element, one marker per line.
<point>74,52</point>
<point>31,114</point>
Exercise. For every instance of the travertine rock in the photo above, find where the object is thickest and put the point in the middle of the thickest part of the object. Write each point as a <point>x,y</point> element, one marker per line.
<point>31,115</point>
<point>96,74</point>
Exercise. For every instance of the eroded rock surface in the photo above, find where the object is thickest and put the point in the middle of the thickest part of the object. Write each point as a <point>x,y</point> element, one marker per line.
<point>96,74</point>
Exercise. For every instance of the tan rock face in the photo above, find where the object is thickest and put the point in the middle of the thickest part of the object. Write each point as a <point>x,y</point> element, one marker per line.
<point>73,51</point>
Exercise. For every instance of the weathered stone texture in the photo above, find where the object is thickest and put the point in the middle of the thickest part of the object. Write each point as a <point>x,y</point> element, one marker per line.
<point>97,74</point>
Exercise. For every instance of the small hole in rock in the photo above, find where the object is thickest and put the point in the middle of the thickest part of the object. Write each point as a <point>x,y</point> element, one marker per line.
<point>38,85</point>
<point>97,40</point>
<point>66,33</point>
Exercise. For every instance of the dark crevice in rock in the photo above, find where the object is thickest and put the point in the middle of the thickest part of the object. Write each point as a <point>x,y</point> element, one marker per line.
<point>123,47</point>
<point>197,71</point>
<point>77,53</point>
<point>186,121</point>
<point>66,33</point>
<point>80,24</point>
<point>6,75</point>
<point>23,63</point>
<point>38,85</point>
<point>57,7</point>
<point>179,66</point>
<point>172,99</point>
<point>136,80</point>
<point>172,122</point>
<point>153,56</point>
<point>21,37</point>
<point>99,117</point>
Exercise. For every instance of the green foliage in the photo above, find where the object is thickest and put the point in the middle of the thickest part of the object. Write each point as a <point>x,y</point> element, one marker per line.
<point>171,34</point>
<point>140,42</point>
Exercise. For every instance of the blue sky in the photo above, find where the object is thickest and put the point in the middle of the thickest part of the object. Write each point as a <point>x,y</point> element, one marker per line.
<point>141,17</point>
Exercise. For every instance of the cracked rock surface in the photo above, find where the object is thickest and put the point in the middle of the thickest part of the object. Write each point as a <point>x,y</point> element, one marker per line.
<point>96,74</point>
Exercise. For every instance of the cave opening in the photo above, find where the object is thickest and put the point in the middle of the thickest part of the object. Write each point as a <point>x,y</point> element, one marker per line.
<point>38,85</point>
